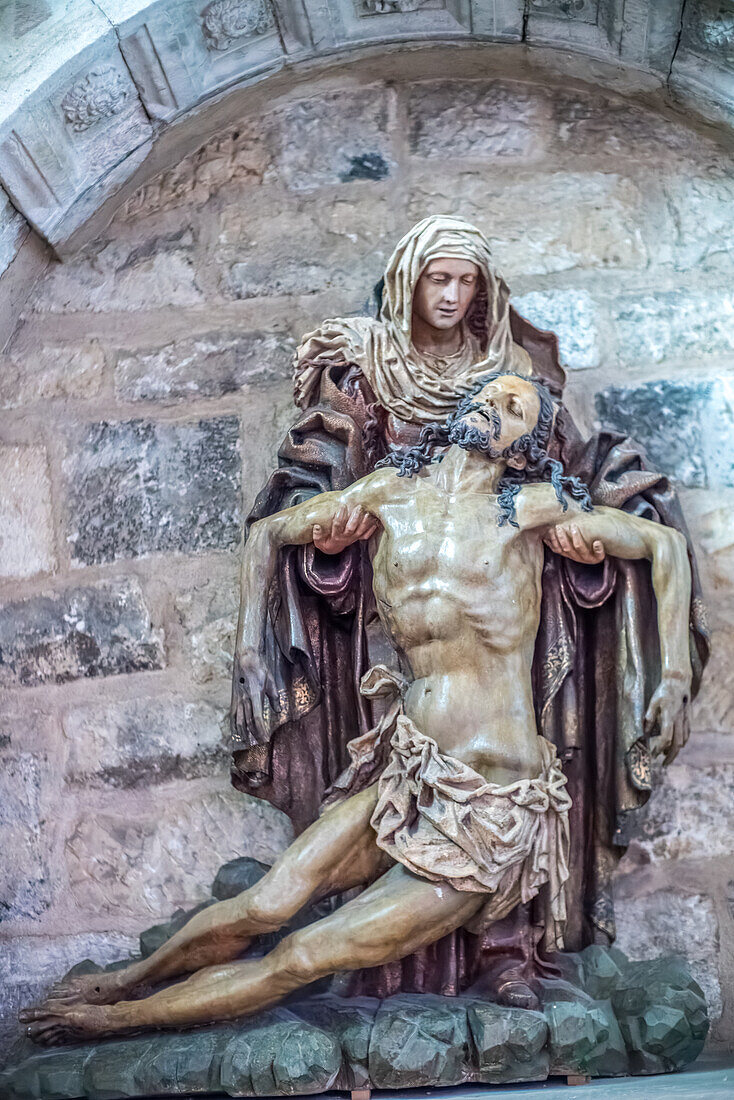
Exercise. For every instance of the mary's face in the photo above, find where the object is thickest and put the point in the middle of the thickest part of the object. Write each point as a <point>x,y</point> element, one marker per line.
<point>444,291</point>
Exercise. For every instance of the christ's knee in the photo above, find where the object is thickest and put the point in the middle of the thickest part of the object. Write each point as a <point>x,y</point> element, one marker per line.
<point>270,903</point>
<point>297,961</point>
<point>316,951</point>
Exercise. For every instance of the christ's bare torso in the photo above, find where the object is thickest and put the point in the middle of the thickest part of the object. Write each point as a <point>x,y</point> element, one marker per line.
<point>459,597</point>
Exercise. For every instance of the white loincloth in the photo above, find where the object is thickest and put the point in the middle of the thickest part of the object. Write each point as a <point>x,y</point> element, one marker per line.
<point>446,823</point>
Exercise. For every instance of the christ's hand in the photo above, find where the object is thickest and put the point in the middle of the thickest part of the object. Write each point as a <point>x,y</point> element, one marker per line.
<point>254,690</point>
<point>346,528</point>
<point>669,713</point>
<point>568,541</point>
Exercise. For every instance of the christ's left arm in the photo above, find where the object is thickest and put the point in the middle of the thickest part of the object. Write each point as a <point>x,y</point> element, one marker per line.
<point>628,536</point>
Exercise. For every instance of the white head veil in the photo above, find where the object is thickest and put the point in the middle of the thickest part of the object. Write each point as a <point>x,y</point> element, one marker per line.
<point>415,387</point>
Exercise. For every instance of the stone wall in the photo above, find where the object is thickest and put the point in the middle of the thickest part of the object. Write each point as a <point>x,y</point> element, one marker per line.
<point>144,391</point>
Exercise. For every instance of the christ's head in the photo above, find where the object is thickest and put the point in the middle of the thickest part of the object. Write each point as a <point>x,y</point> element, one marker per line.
<point>498,414</point>
<point>509,418</point>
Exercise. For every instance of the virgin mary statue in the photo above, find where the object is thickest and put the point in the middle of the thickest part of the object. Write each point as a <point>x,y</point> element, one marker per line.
<point>362,386</point>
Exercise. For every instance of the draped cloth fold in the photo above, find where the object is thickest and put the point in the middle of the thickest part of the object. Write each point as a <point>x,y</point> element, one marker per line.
<point>416,387</point>
<point>446,823</point>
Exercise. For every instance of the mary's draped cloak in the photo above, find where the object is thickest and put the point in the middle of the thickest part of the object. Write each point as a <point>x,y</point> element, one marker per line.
<point>596,664</point>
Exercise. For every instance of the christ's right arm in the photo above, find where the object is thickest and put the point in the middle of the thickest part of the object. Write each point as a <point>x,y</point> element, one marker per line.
<point>291,527</point>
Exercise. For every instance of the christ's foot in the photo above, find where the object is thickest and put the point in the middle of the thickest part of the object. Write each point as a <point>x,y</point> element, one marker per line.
<point>55,1022</point>
<point>516,993</point>
<point>92,989</point>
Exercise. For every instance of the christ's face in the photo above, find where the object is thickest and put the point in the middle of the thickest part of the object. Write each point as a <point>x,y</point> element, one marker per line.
<point>503,410</point>
<point>444,292</point>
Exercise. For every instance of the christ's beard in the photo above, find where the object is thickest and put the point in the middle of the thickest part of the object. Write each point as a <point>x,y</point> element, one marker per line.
<point>473,439</point>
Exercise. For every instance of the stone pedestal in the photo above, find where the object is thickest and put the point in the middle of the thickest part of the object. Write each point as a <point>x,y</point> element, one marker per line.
<point>605,1017</point>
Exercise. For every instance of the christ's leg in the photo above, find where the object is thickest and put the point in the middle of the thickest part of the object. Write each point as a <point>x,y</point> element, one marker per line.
<point>334,854</point>
<point>396,916</point>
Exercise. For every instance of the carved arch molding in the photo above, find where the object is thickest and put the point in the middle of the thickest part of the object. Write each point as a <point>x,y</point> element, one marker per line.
<point>89,88</point>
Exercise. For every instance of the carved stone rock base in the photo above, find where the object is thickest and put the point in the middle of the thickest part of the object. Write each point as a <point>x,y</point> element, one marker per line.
<point>606,1017</point>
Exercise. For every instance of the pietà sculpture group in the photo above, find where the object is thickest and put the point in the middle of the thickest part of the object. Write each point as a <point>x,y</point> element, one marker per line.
<point>465,633</point>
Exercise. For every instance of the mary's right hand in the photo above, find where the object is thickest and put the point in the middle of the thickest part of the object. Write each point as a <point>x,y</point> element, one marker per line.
<point>347,527</point>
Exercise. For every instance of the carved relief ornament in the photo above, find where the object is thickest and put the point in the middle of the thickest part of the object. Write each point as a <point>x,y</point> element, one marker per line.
<point>224,21</point>
<point>100,94</point>
<point>395,7</point>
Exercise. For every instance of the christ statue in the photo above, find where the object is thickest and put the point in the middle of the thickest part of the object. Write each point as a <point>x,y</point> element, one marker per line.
<point>365,385</point>
<point>452,809</point>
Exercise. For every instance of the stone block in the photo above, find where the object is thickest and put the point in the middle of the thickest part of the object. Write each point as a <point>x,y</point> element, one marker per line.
<point>207,612</point>
<point>477,119</point>
<point>238,156</point>
<point>701,234</point>
<point>419,1042</point>
<point>161,1065</point>
<point>689,816</point>
<point>350,1021</point>
<point>27,879</point>
<point>713,709</point>
<point>255,278</point>
<point>577,25</point>
<point>71,121</point>
<point>509,1044</point>
<point>13,231</point>
<point>98,630</point>
<point>572,315</point>
<point>668,922</point>
<point>710,518</point>
<point>601,125</point>
<point>365,21</point>
<point>26,520</point>
<point>266,419</point>
<point>662,1014</point>
<point>55,1073</point>
<point>140,487</point>
<point>675,324</point>
<point>277,1054</point>
<point>237,875</point>
<point>330,139</point>
<point>584,1036</point>
<point>685,427</point>
<point>183,52</point>
<point>30,964</point>
<point>342,246</point>
<point>532,226</point>
<point>163,856</point>
<point>51,372</point>
<point>153,938</point>
<point>123,276</point>
<point>141,741</point>
<point>209,365</point>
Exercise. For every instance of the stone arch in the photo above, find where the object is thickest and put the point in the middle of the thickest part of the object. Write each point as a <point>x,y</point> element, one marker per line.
<point>100,95</point>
